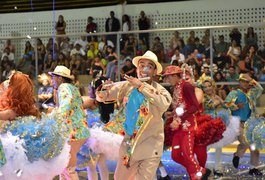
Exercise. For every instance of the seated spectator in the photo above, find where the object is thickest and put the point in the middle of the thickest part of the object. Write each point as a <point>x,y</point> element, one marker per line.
<point>141,47</point>
<point>221,90</point>
<point>75,72</point>
<point>235,35</point>
<point>104,43</point>
<point>233,75</point>
<point>77,50</point>
<point>96,66</point>
<point>234,53</point>
<point>11,47</point>
<point>178,57</point>
<point>8,54</point>
<point>173,44</point>
<point>91,54</point>
<point>25,64</point>
<point>41,54</point>
<point>45,92</point>
<point>111,68</point>
<point>256,60</point>
<point>128,69</point>
<point>66,46</point>
<point>49,64</point>
<point>62,60</point>
<point>250,38</point>
<point>221,50</point>
<point>83,43</point>
<point>197,45</point>
<point>206,37</point>
<point>130,46</point>
<point>53,48</point>
<point>158,49</point>
<point>261,76</point>
<point>8,67</point>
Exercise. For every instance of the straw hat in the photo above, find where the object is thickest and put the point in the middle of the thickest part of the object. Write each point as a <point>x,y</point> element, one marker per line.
<point>150,56</point>
<point>169,70</point>
<point>244,77</point>
<point>62,71</point>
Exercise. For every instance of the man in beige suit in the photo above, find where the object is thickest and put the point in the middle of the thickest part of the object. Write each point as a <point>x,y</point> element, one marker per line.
<point>144,102</point>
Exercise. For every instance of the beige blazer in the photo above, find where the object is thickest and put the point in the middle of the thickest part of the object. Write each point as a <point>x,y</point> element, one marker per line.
<point>149,140</point>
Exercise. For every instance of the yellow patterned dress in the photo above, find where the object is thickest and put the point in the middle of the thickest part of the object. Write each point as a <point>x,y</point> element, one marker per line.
<point>70,106</point>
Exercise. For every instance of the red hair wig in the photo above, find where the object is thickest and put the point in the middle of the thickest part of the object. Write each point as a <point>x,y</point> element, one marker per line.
<point>19,96</point>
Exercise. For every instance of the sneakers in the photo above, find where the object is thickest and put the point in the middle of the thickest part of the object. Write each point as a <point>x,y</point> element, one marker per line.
<point>206,174</point>
<point>255,172</point>
<point>235,161</point>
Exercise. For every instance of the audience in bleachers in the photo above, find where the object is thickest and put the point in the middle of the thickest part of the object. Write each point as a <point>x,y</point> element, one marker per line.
<point>88,54</point>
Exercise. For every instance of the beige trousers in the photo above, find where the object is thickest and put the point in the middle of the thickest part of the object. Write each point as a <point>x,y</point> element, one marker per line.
<point>243,146</point>
<point>138,170</point>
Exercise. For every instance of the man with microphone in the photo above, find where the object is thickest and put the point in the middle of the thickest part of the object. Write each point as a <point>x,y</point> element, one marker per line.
<point>144,101</point>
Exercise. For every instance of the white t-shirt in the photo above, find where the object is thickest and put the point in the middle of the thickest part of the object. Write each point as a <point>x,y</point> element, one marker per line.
<point>181,58</point>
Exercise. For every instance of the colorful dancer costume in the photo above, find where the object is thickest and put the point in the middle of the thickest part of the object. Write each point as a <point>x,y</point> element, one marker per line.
<point>242,103</point>
<point>184,123</point>
<point>70,106</point>
<point>142,146</point>
<point>35,145</point>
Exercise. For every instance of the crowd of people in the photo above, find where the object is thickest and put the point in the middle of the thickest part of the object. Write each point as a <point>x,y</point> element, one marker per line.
<point>241,52</point>
<point>188,108</point>
<point>183,96</point>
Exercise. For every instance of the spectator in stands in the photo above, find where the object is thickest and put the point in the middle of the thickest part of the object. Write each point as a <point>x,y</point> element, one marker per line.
<point>77,50</point>
<point>126,26</point>
<point>141,47</point>
<point>233,74</point>
<point>50,63</point>
<point>235,35</point>
<point>250,38</point>
<point>52,48</point>
<point>91,27</point>
<point>83,43</point>
<point>130,46</point>
<point>197,45</point>
<point>221,90</point>
<point>66,46</point>
<point>221,49</point>
<point>256,60</point>
<point>112,25</point>
<point>8,54</point>
<point>178,58</point>
<point>191,39</point>
<point>158,49</point>
<point>128,69</point>
<point>96,66</point>
<point>11,47</point>
<point>144,24</point>
<point>104,42</point>
<point>60,28</point>
<point>112,64</point>
<point>261,75</point>
<point>8,67</point>
<point>261,52</point>
<point>206,37</point>
<point>234,52</point>
<point>173,44</point>
<point>41,54</point>
<point>91,54</point>
<point>62,60</point>
<point>25,64</point>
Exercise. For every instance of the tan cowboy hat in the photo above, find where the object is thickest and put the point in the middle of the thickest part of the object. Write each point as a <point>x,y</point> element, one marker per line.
<point>150,56</point>
<point>244,77</point>
<point>62,71</point>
